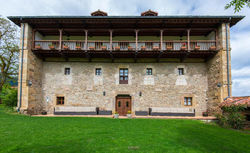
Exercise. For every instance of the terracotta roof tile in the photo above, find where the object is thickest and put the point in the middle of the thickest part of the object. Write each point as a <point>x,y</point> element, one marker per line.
<point>236,101</point>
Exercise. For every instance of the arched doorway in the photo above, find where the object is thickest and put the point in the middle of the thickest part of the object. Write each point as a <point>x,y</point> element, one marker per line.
<point>123,104</point>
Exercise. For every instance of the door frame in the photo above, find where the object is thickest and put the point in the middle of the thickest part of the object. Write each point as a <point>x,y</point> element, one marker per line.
<point>123,96</point>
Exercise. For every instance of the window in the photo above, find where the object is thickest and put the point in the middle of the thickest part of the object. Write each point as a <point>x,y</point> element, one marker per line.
<point>67,71</point>
<point>123,76</point>
<point>187,101</point>
<point>119,104</point>
<point>59,100</point>
<point>127,104</point>
<point>149,71</point>
<point>181,71</point>
<point>98,71</point>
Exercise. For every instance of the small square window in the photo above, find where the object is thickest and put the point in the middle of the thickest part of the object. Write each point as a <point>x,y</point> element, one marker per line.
<point>181,71</point>
<point>98,71</point>
<point>187,101</point>
<point>67,71</point>
<point>60,100</point>
<point>149,71</point>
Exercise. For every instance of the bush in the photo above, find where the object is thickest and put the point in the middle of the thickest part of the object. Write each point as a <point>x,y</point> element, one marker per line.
<point>9,96</point>
<point>231,116</point>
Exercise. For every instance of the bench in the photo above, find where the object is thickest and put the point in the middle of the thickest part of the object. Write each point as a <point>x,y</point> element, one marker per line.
<point>74,110</point>
<point>166,111</point>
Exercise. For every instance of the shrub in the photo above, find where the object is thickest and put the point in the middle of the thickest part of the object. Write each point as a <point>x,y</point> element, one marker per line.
<point>9,96</point>
<point>231,116</point>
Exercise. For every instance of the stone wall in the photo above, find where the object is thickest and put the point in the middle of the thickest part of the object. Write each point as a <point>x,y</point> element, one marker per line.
<point>165,88</point>
<point>217,71</point>
<point>32,66</point>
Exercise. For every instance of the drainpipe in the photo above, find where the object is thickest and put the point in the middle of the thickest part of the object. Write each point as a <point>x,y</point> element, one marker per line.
<point>21,75</point>
<point>227,49</point>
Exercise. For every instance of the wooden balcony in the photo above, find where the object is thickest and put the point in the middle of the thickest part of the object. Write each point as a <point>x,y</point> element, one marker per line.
<point>73,45</point>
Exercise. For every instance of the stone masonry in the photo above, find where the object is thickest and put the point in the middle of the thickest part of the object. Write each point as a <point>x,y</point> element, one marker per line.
<point>82,88</point>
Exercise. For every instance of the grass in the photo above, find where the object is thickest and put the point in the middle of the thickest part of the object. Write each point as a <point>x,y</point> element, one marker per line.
<point>20,133</point>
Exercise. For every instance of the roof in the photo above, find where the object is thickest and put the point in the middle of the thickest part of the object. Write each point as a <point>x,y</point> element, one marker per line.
<point>233,19</point>
<point>149,13</point>
<point>99,13</point>
<point>172,25</point>
<point>236,101</point>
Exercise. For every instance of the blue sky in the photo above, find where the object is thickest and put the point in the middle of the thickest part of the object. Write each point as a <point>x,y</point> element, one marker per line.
<point>240,33</point>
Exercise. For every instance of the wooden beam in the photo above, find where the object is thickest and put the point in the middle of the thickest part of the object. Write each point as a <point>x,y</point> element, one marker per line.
<point>110,39</point>
<point>86,40</point>
<point>161,33</point>
<point>33,38</point>
<point>159,56</point>
<point>216,39</point>
<point>60,39</point>
<point>136,39</point>
<point>129,29</point>
<point>135,58</point>
<point>188,39</point>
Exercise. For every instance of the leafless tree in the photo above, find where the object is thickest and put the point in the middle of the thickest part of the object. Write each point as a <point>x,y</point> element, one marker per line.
<point>9,51</point>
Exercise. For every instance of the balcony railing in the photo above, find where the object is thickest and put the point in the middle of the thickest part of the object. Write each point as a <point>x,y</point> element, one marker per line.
<point>171,45</point>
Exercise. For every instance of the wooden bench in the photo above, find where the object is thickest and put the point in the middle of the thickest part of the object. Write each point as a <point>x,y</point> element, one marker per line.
<point>74,110</point>
<point>166,111</point>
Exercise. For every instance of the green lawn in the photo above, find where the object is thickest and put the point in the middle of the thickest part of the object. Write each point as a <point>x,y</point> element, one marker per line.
<point>19,133</point>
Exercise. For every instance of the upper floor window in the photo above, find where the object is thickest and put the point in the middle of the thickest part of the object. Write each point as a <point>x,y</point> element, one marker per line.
<point>181,71</point>
<point>149,71</point>
<point>123,75</point>
<point>59,100</point>
<point>98,71</point>
<point>67,71</point>
<point>187,101</point>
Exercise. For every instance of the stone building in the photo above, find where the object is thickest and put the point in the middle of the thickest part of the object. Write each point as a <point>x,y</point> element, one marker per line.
<point>100,64</point>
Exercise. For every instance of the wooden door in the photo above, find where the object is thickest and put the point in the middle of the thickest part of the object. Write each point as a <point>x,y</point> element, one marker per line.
<point>123,105</point>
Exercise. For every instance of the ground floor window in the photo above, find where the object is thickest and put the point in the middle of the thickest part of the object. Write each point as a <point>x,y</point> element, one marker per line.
<point>59,100</point>
<point>187,101</point>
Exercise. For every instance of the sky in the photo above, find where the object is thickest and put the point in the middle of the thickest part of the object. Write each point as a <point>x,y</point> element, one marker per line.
<point>240,33</point>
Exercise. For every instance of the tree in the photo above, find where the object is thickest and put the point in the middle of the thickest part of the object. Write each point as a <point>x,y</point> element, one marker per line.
<point>9,51</point>
<point>238,4</point>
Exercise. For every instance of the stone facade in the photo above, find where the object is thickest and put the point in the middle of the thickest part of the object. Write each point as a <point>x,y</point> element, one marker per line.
<point>217,72</point>
<point>165,88</point>
<point>32,65</point>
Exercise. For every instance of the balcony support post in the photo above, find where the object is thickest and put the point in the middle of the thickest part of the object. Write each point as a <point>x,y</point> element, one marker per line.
<point>110,39</point>
<point>216,39</point>
<point>136,39</point>
<point>33,38</point>
<point>60,39</point>
<point>86,40</point>
<point>161,33</point>
<point>188,39</point>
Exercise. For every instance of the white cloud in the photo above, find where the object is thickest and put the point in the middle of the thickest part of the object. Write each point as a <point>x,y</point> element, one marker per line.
<point>241,87</point>
<point>243,72</point>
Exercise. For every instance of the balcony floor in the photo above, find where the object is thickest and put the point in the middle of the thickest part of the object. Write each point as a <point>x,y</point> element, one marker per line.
<point>205,54</point>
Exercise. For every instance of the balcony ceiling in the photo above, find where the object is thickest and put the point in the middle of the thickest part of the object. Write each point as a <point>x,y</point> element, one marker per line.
<point>125,25</point>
